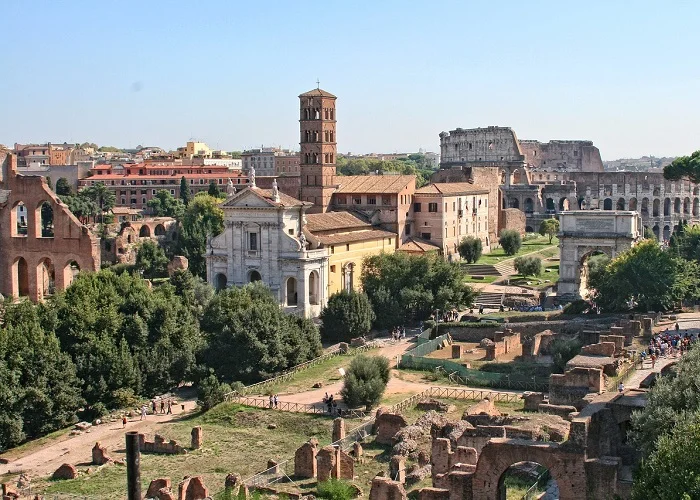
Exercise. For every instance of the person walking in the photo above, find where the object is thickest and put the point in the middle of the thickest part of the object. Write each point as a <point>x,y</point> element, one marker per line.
<point>155,408</point>
<point>621,388</point>
<point>144,412</point>
<point>170,407</point>
<point>276,401</point>
<point>123,421</point>
<point>162,406</point>
<point>271,401</point>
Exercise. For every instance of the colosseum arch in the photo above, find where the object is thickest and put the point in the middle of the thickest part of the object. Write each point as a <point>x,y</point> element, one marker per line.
<point>513,203</point>
<point>584,233</point>
<point>607,204</point>
<point>620,204</point>
<point>696,207</point>
<point>633,204</point>
<point>677,206</point>
<point>529,205</point>
<point>686,206</point>
<point>145,231</point>
<point>657,207</point>
<point>667,207</point>
<point>160,230</point>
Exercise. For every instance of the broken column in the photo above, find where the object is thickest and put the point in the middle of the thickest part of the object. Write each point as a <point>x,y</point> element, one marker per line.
<point>397,468</point>
<point>196,438</point>
<point>327,465</point>
<point>338,429</point>
<point>305,460</point>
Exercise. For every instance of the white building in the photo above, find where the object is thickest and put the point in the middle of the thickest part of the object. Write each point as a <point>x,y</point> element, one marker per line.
<point>263,241</point>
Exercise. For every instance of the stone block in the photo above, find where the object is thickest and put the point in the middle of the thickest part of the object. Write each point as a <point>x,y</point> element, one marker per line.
<point>196,438</point>
<point>99,455</point>
<point>346,465</point>
<point>397,468</point>
<point>433,494</point>
<point>327,465</point>
<point>305,460</point>
<point>533,400</point>
<point>165,494</point>
<point>440,456</point>
<point>357,451</point>
<point>344,347</point>
<point>192,488</point>
<point>464,455</point>
<point>387,425</point>
<point>384,488</point>
<point>457,351</point>
<point>157,485</point>
<point>600,349</point>
<point>273,467</point>
<point>561,410</point>
<point>338,430</point>
<point>65,471</point>
<point>460,485</point>
<point>483,407</point>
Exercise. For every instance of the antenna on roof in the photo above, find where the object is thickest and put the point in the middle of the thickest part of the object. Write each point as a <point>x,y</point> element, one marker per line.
<point>318,83</point>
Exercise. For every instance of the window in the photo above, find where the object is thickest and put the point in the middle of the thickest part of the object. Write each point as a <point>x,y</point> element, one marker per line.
<point>454,206</point>
<point>408,229</point>
<point>425,236</point>
<point>416,207</point>
<point>253,241</point>
<point>432,207</point>
<point>347,247</point>
<point>386,200</point>
<point>357,200</point>
<point>290,231</point>
<point>153,192</point>
<point>172,192</point>
<point>144,191</point>
<point>332,269</point>
<point>133,192</point>
<point>342,200</point>
<point>133,201</point>
<point>371,200</point>
<point>332,249</point>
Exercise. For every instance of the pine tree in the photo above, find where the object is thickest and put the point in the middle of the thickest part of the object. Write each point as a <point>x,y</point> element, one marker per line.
<point>184,191</point>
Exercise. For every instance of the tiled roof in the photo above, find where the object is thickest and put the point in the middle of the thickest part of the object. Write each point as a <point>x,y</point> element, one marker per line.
<point>452,188</point>
<point>317,93</point>
<point>266,194</point>
<point>334,221</point>
<point>418,245</point>
<point>375,184</point>
<point>348,237</point>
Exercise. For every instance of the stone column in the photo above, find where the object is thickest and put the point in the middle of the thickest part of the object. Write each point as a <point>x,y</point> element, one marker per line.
<point>338,429</point>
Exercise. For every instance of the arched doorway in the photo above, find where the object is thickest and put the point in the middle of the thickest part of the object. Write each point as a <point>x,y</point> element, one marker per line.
<point>550,206</point>
<point>677,206</point>
<point>686,206</point>
<point>656,231</point>
<point>160,230</point>
<point>254,276</point>
<point>696,207</point>
<point>291,292</point>
<point>313,288</point>
<point>667,233</point>
<point>633,204</point>
<point>667,207</point>
<point>528,229</point>
<point>515,177</point>
<point>20,278</point>
<point>45,278</point>
<point>657,207</point>
<point>563,204</point>
<point>145,231</point>
<point>220,282</point>
<point>526,480</point>
<point>70,271</point>
<point>620,204</point>
<point>607,204</point>
<point>44,215</point>
<point>528,205</point>
<point>513,203</point>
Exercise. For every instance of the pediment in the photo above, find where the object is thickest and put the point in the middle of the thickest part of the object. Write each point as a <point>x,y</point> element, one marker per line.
<point>247,199</point>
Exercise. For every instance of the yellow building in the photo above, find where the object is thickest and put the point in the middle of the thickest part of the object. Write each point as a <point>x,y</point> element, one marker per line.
<point>197,149</point>
<point>349,239</point>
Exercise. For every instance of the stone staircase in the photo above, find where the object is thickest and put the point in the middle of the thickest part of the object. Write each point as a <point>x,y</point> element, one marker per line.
<point>482,270</point>
<point>505,268</point>
<point>489,299</point>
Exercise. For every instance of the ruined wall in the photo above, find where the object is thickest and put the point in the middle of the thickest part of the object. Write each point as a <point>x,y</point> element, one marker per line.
<point>36,260</point>
<point>504,343</point>
<point>580,156</point>
<point>490,144</point>
<point>512,218</point>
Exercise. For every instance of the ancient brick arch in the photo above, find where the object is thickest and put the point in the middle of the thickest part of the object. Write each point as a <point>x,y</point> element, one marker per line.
<point>567,467</point>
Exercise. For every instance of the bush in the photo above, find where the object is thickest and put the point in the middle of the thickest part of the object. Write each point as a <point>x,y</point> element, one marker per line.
<point>365,381</point>
<point>125,398</point>
<point>562,350</point>
<point>528,266</point>
<point>333,489</point>
<point>510,241</point>
<point>577,307</point>
<point>470,249</point>
<point>348,315</point>
<point>211,392</point>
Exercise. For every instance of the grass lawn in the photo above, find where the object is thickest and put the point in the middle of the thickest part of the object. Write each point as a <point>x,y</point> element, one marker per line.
<point>482,279</point>
<point>545,280</point>
<point>236,439</point>
<point>536,244</point>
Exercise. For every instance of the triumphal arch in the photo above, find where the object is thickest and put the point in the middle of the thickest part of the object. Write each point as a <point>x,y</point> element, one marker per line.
<point>583,233</point>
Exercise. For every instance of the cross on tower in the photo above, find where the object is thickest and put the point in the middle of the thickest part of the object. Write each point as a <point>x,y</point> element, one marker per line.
<point>318,83</point>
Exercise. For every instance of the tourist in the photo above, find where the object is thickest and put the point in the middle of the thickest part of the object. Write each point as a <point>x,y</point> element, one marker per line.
<point>155,408</point>
<point>170,407</point>
<point>162,406</point>
<point>144,412</point>
<point>271,401</point>
<point>123,421</point>
<point>403,332</point>
<point>276,400</point>
<point>621,388</point>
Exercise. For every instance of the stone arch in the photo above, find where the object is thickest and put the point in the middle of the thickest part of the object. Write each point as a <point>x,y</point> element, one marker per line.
<point>220,282</point>
<point>567,468</point>
<point>513,203</point>
<point>667,207</point>
<point>145,231</point>
<point>633,204</point>
<point>620,204</point>
<point>667,232</point>
<point>696,206</point>
<point>677,206</point>
<point>254,275</point>
<point>20,277</point>
<point>528,229</point>
<point>686,206</point>
<point>607,204</point>
<point>160,230</point>
<point>290,292</point>
<point>18,219</point>
<point>44,217</point>
<point>70,271</point>
<point>656,231</point>
<point>529,205</point>
<point>563,204</point>
<point>502,493</point>
<point>516,177</point>
<point>549,205</point>
<point>502,177</point>
<point>314,288</point>
<point>45,278</point>
<point>657,191</point>
<point>657,207</point>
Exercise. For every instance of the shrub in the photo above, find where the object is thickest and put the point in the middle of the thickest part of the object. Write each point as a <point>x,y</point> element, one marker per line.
<point>211,392</point>
<point>528,266</point>
<point>348,315</point>
<point>365,381</point>
<point>510,241</point>
<point>562,350</point>
<point>333,489</point>
<point>470,249</point>
<point>125,398</point>
<point>579,306</point>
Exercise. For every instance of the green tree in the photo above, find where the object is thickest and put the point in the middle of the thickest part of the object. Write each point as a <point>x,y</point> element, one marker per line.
<point>203,217</point>
<point>63,187</point>
<point>562,350</point>
<point>685,243</point>
<point>151,260</point>
<point>510,241</point>
<point>214,190</point>
<point>347,315</point>
<point>649,234</point>
<point>249,338</point>
<point>365,381</point>
<point>166,205</point>
<point>211,392</point>
<point>405,287</point>
<point>101,198</point>
<point>49,183</point>
<point>184,191</point>
<point>645,276</point>
<point>684,167</point>
<point>470,249</point>
<point>528,266</point>
<point>39,390</point>
<point>109,149</point>
<point>549,227</point>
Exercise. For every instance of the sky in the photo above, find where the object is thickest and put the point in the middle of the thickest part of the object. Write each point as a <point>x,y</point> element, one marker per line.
<point>623,74</point>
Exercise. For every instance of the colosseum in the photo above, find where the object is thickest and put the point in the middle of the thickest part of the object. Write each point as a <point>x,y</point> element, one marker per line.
<point>543,179</point>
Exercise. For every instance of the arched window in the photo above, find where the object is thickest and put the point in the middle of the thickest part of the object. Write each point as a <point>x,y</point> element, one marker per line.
<point>550,205</point>
<point>46,278</point>
<point>220,282</point>
<point>677,205</point>
<point>528,205</point>
<point>513,203</point>
<point>313,288</point>
<point>667,207</point>
<point>145,231</point>
<point>633,204</point>
<point>656,209</point>
<point>254,276</point>
<point>44,216</point>
<point>620,204</point>
<point>607,204</point>
<point>19,219</point>
<point>160,230</point>
<point>291,292</point>
<point>70,271</point>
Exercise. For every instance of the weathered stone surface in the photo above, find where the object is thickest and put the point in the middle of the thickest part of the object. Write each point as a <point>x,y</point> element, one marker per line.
<point>423,459</point>
<point>433,404</point>
<point>404,447</point>
<point>305,460</point>
<point>179,262</point>
<point>99,455</point>
<point>346,465</point>
<point>9,492</point>
<point>397,468</point>
<point>385,489</point>
<point>409,432</point>
<point>197,437</point>
<point>457,351</point>
<point>165,494</point>
<point>433,494</point>
<point>387,425</point>
<point>483,407</point>
<point>157,485</point>
<point>192,488</point>
<point>233,480</point>
<point>357,451</point>
<point>159,445</point>
<point>561,410</point>
<point>65,471</point>
<point>326,464</point>
<point>338,430</point>
<point>599,349</point>
<point>83,426</point>
<point>344,347</point>
<point>533,400</point>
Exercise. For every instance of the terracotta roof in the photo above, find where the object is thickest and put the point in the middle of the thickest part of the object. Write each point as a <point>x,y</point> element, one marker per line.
<point>372,234</point>
<point>334,221</point>
<point>451,188</point>
<point>266,194</point>
<point>418,245</point>
<point>317,93</point>
<point>376,184</point>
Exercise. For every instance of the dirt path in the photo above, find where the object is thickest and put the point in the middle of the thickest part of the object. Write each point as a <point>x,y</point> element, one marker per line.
<point>77,450</point>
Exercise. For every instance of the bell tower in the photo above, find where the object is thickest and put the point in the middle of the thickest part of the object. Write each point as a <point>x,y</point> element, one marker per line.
<point>318,148</point>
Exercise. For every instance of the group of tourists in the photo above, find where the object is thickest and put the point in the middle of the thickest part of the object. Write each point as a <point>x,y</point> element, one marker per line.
<point>398,333</point>
<point>332,405</point>
<point>668,344</point>
<point>274,401</point>
<point>163,404</point>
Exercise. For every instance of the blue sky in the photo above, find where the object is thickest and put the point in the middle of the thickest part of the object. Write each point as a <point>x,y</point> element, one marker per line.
<point>620,73</point>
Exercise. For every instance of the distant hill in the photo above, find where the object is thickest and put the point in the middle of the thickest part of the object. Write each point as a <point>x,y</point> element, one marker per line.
<point>638,164</point>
